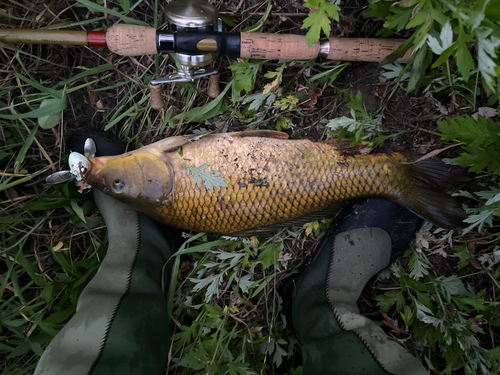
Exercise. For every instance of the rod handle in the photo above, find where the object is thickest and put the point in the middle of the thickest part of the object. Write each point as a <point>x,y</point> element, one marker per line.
<point>131,40</point>
<point>365,49</point>
<point>277,47</point>
<point>294,47</point>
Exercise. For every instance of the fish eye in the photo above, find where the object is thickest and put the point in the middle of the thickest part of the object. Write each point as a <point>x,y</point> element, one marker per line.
<point>118,186</point>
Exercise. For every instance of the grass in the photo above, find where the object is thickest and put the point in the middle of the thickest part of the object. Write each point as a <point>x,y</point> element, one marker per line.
<point>440,300</point>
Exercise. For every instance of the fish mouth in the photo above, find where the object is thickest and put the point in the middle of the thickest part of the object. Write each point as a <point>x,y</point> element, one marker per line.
<point>92,175</point>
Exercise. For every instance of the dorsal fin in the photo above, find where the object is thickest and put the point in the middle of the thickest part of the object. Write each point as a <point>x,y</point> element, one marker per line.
<point>348,149</point>
<point>262,133</point>
<point>171,144</point>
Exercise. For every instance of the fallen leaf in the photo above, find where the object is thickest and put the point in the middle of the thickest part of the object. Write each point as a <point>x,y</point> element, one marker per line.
<point>314,98</point>
<point>92,94</point>
<point>184,266</point>
<point>486,112</point>
<point>393,324</point>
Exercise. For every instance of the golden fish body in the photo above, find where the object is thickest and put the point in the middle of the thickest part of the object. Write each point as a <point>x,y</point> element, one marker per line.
<point>269,179</point>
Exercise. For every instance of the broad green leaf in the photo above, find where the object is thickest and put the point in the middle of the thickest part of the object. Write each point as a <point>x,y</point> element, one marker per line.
<point>464,60</point>
<point>78,210</point>
<point>49,121</point>
<point>125,4</point>
<point>420,63</point>
<point>493,353</point>
<point>47,110</point>
<point>388,299</point>
<point>311,227</point>
<point>287,103</point>
<point>319,20</point>
<point>464,255</point>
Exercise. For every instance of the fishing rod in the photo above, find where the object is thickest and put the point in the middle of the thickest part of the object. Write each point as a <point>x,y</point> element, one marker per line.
<point>194,35</point>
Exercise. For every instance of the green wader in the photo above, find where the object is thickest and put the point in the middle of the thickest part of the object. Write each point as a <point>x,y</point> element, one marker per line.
<point>334,337</point>
<point>121,324</point>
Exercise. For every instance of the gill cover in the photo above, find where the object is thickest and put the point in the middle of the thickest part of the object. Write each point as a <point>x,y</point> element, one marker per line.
<point>134,177</point>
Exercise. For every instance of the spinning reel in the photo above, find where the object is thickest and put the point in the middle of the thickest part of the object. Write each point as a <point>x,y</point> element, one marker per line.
<point>195,16</point>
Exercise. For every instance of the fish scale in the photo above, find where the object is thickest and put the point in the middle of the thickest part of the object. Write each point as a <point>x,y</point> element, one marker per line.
<point>270,180</point>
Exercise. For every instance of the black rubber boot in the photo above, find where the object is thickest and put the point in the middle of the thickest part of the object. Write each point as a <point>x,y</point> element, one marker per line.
<point>334,337</point>
<point>121,325</point>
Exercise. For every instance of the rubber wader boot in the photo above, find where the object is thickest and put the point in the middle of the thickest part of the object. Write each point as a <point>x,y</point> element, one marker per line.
<point>334,337</point>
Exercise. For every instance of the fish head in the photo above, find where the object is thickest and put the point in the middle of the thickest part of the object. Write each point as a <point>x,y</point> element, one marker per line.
<point>135,177</point>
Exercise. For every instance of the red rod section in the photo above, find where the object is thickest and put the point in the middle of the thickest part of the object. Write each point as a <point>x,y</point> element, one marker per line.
<point>96,38</point>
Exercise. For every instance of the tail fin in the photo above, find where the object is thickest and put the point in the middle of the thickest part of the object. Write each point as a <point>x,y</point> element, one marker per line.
<point>429,201</point>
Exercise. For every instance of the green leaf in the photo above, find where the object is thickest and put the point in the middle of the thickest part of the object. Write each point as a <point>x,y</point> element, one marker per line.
<point>388,299</point>
<point>407,315</point>
<point>481,138</point>
<point>47,110</point>
<point>287,103</point>
<point>399,19</point>
<point>283,123</point>
<point>200,114</point>
<point>125,4</point>
<point>419,65</point>
<point>237,368</point>
<point>311,227</point>
<point>268,254</point>
<point>211,179</point>
<point>49,121</point>
<point>493,353</point>
<point>244,73</point>
<point>450,286</point>
<point>425,299</point>
<point>78,210</point>
<point>464,255</point>
<point>463,59</point>
<point>319,20</point>
<point>27,144</point>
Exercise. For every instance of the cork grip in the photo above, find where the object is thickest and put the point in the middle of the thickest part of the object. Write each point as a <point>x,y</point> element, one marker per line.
<point>359,49</point>
<point>131,40</point>
<point>277,47</point>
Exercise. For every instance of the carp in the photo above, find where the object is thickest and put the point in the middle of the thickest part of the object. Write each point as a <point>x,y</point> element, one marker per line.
<point>256,181</point>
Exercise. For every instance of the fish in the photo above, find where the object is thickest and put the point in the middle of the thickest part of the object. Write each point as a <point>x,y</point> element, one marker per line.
<point>250,182</point>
